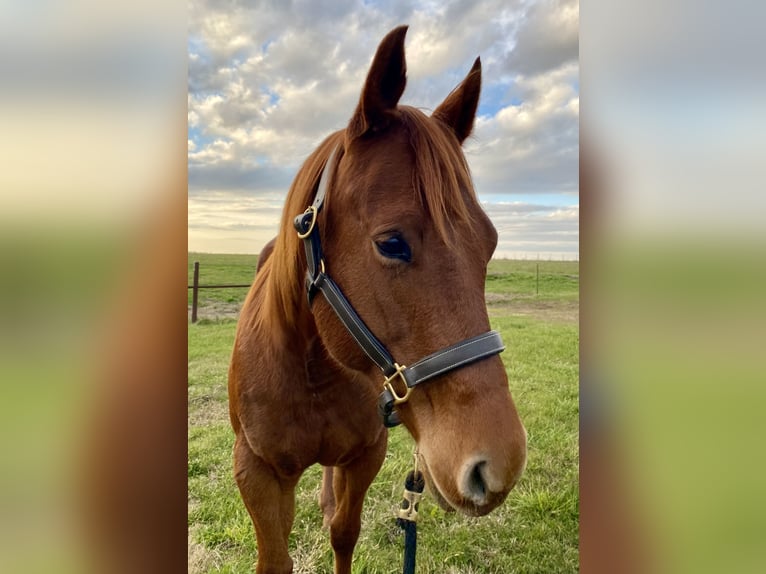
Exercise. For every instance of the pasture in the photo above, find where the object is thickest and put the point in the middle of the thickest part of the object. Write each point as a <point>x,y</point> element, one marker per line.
<point>535,530</point>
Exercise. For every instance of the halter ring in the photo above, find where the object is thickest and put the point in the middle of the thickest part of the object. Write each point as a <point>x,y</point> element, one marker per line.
<point>398,400</point>
<point>313,211</point>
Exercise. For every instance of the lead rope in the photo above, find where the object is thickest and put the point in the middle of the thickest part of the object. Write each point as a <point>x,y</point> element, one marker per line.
<point>407,515</point>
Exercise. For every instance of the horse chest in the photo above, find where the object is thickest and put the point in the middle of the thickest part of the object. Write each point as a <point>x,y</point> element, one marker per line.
<point>329,423</point>
<point>346,439</point>
<point>339,416</point>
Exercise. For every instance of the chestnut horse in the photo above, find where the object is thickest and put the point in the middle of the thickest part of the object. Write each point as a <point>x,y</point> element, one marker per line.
<point>405,245</point>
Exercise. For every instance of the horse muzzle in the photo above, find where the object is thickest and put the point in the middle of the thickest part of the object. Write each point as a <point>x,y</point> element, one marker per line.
<point>478,485</point>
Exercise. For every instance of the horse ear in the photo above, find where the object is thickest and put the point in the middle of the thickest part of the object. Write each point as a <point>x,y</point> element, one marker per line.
<point>383,87</point>
<point>458,110</point>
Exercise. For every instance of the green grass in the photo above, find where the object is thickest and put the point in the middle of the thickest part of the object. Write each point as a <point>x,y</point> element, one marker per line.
<point>536,530</point>
<point>545,280</point>
<point>222,269</point>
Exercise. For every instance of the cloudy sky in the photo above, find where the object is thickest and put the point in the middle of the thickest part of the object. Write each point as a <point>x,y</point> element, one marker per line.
<point>269,80</point>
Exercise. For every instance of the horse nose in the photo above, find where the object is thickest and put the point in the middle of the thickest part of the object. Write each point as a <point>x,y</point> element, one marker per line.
<point>483,485</point>
<point>475,484</point>
<point>479,484</point>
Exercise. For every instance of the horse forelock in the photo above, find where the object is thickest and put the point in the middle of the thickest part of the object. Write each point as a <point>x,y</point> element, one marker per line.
<point>442,177</point>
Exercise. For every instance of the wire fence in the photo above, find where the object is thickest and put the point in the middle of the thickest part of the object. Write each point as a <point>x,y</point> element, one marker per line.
<point>195,287</point>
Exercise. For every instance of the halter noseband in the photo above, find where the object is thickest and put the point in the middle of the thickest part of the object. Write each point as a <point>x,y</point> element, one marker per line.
<point>435,364</point>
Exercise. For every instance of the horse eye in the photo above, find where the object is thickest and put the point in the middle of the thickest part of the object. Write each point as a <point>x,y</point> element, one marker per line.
<point>394,247</point>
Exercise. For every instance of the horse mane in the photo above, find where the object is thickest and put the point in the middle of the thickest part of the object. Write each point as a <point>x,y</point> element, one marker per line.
<point>441,178</point>
<point>281,280</point>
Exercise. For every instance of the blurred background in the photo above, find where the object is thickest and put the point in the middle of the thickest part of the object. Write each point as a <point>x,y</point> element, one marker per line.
<point>93,287</point>
<point>673,277</point>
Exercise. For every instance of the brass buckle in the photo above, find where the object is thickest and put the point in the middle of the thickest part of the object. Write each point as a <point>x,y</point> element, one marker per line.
<point>412,498</point>
<point>313,211</point>
<point>398,400</point>
<point>410,512</point>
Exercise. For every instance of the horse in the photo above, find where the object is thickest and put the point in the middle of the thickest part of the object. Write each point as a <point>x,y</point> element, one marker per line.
<point>382,252</point>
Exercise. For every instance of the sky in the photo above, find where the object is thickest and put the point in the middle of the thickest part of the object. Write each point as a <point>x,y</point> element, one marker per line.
<point>268,81</point>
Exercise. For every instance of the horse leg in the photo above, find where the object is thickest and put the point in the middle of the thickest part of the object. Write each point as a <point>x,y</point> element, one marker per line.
<point>271,504</point>
<point>350,483</point>
<point>327,496</point>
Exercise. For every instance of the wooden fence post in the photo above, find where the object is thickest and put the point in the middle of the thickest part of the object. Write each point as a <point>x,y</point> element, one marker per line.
<point>195,290</point>
<point>537,280</point>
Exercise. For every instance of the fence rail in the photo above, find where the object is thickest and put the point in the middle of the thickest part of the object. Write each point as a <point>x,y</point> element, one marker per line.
<point>196,287</point>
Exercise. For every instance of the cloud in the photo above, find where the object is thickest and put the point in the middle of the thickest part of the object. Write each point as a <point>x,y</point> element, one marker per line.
<point>531,146</point>
<point>547,38</point>
<point>233,221</point>
<point>267,84</point>
<point>548,231</point>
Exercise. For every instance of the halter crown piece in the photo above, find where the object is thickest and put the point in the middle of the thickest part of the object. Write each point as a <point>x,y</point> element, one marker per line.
<point>455,356</point>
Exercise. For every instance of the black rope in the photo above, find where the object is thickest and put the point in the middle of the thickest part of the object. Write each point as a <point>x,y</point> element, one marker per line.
<point>408,515</point>
<point>410,545</point>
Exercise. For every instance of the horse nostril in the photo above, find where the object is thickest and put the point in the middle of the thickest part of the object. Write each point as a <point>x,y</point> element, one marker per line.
<point>476,484</point>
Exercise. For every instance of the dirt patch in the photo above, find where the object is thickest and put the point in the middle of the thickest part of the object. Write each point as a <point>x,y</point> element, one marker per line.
<point>502,305</point>
<point>216,310</point>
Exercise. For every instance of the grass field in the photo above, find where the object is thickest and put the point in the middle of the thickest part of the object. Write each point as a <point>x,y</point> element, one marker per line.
<point>535,308</point>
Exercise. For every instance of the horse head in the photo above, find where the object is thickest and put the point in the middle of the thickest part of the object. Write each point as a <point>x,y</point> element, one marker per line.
<point>406,240</point>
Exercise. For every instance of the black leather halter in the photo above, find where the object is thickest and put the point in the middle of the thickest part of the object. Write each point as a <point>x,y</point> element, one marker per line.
<point>438,363</point>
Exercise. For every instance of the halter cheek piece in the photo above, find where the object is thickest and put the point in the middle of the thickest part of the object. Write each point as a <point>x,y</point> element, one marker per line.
<point>438,363</point>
